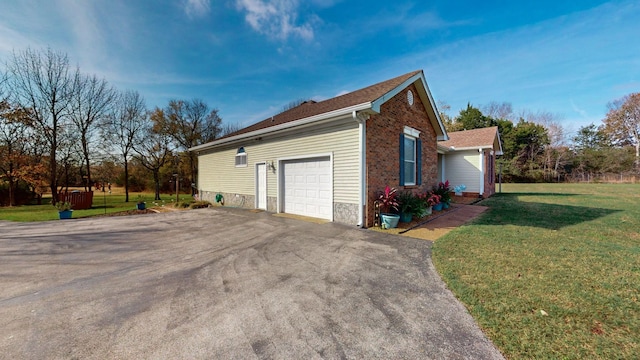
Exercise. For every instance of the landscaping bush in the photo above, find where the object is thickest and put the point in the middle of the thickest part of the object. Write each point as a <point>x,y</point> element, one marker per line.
<point>199,204</point>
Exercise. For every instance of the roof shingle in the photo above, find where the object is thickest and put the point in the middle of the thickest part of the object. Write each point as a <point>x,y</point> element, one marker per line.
<point>484,137</point>
<point>308,109</point>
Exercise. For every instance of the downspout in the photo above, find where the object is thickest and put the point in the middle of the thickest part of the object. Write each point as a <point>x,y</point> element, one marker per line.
<point>362,175</point>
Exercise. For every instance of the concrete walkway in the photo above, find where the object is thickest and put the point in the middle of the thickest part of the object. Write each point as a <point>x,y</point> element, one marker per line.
<point>456,216</point>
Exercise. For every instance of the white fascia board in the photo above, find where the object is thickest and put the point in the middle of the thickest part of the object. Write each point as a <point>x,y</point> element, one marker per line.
<point>375,106</point>
<point>470,148</point>
<point>332,115</point>
<point>499,151</point>
<point>443,149</point>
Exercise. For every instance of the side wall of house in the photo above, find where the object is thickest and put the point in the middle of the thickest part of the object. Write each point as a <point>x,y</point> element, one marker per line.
<point>489,173</point>
<point>383,147</point>
<point>463,168</point>
<point>218,173</point>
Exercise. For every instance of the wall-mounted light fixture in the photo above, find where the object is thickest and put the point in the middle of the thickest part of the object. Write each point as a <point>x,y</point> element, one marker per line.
<point>271,166</point>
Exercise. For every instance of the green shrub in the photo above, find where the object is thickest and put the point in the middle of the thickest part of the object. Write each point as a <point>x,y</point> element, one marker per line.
<point>199,204</point>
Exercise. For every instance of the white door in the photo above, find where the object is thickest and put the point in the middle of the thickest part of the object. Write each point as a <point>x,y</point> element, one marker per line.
<point>261,186</point>
<point>307,187</point>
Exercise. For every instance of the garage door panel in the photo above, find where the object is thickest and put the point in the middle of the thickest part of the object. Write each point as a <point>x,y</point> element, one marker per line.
<point>307,187</point>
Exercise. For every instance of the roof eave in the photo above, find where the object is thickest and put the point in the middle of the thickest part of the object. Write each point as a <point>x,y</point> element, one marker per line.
<point>336,114</point>
<point>425,96</point>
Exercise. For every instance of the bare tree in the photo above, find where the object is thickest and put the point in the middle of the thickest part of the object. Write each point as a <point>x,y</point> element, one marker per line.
<point>295,103</point>
<point>154,153</point>
<point>622,123</point>
<point>15,134</point>
<point>123,128</point>
<point>90,103</point>
<point>228,128</point>
<point>188,123</point>
<point>43,82</point>
<point>497,110</point>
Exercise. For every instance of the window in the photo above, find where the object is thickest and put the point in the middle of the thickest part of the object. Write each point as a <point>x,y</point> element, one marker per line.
<point>241,158</point>
<point>410,158</point>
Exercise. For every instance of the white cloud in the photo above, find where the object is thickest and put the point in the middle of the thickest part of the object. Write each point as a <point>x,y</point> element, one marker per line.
<point>196,8</point>
<point>276,18</point>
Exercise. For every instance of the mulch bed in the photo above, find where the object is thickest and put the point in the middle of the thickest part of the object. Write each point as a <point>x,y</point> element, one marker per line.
<point>130,212</point>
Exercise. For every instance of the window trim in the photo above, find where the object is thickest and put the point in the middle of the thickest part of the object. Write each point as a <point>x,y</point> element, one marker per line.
<point>241,158</point>
<point>412,163</point>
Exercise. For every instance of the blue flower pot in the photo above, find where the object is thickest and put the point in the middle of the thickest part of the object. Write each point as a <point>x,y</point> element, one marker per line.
<point>445,205</point>
<point>390,221</point>
<point>65,214</point>
<point>406,217</point>
<point>438,206</point>
<point>141,206</point>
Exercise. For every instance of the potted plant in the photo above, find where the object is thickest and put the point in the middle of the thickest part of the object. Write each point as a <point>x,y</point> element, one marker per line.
<point>388,202</point>
<point>65,210</point>
<point>433,201</point>
<point>444,193</point>
<point>141,204</point>
<point>407,205</point>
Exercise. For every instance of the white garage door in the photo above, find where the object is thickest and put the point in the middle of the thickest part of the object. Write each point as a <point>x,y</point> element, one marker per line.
<point>307,187</point>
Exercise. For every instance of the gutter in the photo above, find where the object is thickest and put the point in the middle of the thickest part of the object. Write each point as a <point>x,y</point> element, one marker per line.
<point>288,125</point>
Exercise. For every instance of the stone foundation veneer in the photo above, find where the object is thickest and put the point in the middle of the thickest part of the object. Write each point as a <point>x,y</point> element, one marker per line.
<point>345,213</point>
<point>342,213</point>
<point>235,200</point>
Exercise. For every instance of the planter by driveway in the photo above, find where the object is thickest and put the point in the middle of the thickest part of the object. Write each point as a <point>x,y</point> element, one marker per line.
<point>224,283</point>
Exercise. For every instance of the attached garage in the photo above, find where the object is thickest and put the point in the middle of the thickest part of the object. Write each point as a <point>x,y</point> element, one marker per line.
<point>328,159</point>
<point>307,187</point>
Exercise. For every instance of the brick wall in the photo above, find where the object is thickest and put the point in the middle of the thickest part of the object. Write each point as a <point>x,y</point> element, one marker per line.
<point>383,147</point>
<point>489,176</point>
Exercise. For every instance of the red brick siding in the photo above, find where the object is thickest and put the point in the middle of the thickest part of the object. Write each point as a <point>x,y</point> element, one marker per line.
<point>383,147</point>
<point>489,176</point>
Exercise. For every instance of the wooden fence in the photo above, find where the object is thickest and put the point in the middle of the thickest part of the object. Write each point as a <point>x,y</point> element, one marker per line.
<point>80,200</point>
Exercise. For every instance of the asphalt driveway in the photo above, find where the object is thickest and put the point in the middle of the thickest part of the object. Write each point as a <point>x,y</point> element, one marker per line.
<point>224,283</point>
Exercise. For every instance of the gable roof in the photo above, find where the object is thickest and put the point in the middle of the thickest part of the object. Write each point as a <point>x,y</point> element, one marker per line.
<point>369,98</point>
<point>484,138</point>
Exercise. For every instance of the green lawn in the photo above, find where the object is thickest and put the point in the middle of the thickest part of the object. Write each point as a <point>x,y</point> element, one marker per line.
<point>570,250</point>
<point>102,203</point>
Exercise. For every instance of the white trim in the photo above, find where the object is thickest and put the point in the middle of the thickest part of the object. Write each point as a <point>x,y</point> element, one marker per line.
<point>443,165</point>
<point>332,115</point>
<point>362,175</point>
<point>266,198</point>
<point>411,132</point>
<point>241,155</point>
<point>415,159</point>
<point>482,164</point>
<point>280,176</point>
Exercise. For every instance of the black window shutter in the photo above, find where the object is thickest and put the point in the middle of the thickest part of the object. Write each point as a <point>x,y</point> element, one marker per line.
<point>418,162</point>
<point>401,159</point>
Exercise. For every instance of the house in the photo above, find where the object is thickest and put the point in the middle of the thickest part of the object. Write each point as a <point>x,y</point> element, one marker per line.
<point>468,158</point>
<point>330,159</point>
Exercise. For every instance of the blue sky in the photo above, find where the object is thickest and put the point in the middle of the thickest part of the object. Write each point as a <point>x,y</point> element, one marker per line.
<point>249,58</point>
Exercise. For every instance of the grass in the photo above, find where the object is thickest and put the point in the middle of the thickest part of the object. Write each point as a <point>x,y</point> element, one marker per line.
<point>102,203</point>
<point>570,250</point>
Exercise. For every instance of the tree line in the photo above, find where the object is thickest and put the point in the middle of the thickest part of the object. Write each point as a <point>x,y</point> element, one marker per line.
<point>537,147</point>
<point>60,127</point>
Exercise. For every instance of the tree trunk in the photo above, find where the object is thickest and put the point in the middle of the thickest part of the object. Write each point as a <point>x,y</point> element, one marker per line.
<point>193,172</point>
<point>53,183</point>
<point>86,159</point>
<point>126,180</point>
<point>156,180</point>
